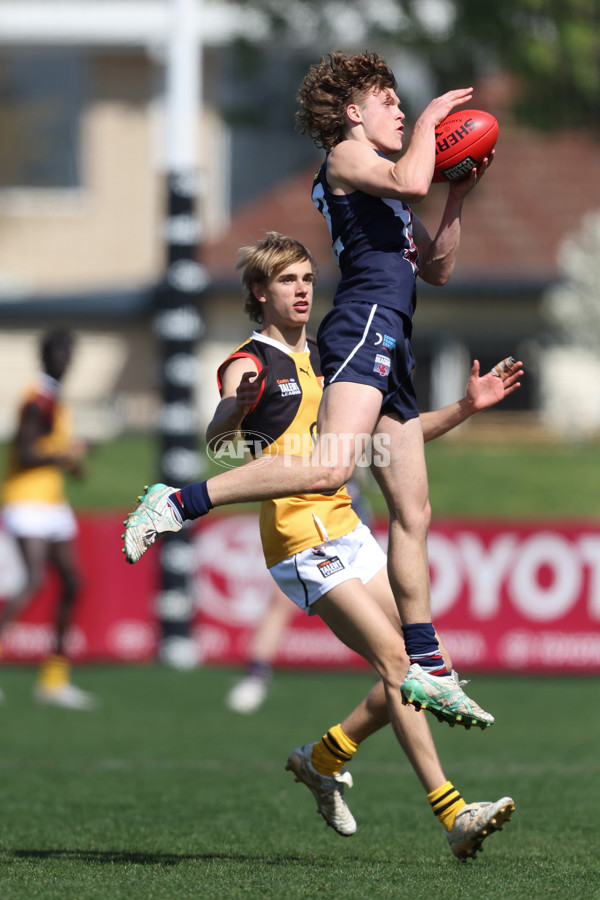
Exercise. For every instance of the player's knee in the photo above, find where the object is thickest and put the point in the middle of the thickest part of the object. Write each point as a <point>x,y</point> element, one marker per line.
<point>393,662</point>
<point>71,586</point>
<point>414,520</point>
<point>393,671</point>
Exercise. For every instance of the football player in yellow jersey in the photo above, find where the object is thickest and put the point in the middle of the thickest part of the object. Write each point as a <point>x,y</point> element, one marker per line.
<point>317,550</point>
<point>37,514</point>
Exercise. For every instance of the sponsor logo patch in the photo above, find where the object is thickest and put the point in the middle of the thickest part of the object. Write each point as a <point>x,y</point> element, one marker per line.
<point>389,342</point>
<point>330,566</point>
<point>382,364</point>
<point>288,386</point>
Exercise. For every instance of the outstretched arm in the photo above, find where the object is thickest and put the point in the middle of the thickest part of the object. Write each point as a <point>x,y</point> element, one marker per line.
<point>482,392</point>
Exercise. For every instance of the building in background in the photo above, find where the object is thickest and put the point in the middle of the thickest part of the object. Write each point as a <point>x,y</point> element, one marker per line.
<point>82,199</point>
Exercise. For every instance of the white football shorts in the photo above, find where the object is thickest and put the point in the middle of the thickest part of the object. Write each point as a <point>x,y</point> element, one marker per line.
<point>310,574</point>
<point>48,521</point>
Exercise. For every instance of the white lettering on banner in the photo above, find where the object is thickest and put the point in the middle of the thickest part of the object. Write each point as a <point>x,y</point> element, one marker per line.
<point>589,545</point>
<point>542,573</point>
<point>515,598</point>
<point>304,645</point>
<point>485,569</point>
<point>28,640</point>
<point>469,646</point>
<point>552,600</point>
<point>551,649</point>
<point>131,640</point>
<point>212,642</point>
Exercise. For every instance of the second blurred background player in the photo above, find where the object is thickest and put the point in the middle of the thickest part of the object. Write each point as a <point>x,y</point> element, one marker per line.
<point>37,514</point>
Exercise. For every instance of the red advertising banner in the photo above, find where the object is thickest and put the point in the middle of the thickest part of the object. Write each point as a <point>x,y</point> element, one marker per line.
<point>114,619</point>
<point>505,596</point>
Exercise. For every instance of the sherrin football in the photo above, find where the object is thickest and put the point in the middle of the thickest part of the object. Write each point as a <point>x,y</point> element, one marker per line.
<point>462,140</point>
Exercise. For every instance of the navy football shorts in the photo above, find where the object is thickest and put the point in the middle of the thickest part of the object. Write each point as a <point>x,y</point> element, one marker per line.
<point>369,344</point>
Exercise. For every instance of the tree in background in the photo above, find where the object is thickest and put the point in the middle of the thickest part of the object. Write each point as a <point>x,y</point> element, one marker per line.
<point>573,305</point>
<point>551,46</point>
<point>571,369</point>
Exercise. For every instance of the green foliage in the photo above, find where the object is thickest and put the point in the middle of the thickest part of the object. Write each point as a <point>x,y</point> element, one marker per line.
<point>163,793</point>
<point>553,48</point>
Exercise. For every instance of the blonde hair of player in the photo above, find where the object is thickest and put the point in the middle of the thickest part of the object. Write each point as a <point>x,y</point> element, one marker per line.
<point>264,260</point>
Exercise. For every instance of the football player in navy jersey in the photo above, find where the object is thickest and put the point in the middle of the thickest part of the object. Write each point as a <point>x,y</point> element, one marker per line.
<point>319,552</point>
<point>349,106</point>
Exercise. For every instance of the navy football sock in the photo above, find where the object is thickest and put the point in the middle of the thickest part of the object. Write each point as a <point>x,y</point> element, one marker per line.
<point>193,500</point>
<point>422,647</point>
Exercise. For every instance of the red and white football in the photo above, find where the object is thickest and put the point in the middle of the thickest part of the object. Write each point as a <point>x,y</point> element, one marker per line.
<point>462,140</point>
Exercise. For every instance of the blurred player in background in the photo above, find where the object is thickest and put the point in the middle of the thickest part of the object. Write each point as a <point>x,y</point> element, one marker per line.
<point>37,514</point>
<point>317,549</point>
<point>250,692</point>
<point>364,188</point>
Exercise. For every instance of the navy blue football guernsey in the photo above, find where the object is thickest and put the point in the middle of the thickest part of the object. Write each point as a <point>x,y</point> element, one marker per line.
<point>373,245</point>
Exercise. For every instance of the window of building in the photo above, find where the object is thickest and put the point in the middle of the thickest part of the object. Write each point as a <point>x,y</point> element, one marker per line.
<point>42,98</point>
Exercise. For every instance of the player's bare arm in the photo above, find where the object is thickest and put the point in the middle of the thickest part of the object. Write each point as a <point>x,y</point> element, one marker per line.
<point>34,427</point>
<point>377,124</point>
<point>241,384</point>
<point>482,392</point>
<point>437,256</point>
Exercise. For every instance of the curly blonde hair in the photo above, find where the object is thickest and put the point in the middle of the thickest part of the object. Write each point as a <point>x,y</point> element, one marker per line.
<point>264,260</point>
<point>330,86</point>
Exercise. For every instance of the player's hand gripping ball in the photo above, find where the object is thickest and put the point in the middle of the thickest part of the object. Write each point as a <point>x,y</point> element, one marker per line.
<point>462,141</point>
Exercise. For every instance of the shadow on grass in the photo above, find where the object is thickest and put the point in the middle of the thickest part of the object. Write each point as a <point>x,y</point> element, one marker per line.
<point>132,856</point>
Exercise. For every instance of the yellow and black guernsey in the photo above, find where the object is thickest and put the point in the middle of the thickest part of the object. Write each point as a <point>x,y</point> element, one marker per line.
<point>283,421</point>
<point>40,483</point>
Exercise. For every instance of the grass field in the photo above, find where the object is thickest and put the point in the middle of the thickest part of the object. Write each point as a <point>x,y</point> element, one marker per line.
<point>490,480</point>
<point>163,793</point>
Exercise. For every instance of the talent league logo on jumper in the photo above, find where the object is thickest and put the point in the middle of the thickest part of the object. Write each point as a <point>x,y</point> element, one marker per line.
<point>330,566</point>
<point>289,387</point>
<point>382,364</point>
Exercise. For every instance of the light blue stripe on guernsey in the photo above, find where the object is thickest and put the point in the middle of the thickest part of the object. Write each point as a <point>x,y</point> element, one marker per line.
<point>359,345</point>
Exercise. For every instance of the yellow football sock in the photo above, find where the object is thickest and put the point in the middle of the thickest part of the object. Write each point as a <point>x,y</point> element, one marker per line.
<point>446,802</point>
<point>331,753</point>
<point>55,672</point>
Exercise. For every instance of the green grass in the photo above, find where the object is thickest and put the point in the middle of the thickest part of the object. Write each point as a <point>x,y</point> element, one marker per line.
<point>163,793</point>
<point>529,481</point>
<point>489,481</point>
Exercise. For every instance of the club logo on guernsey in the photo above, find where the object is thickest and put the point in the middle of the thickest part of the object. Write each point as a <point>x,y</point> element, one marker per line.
<point>288,386</point>
<point>382,364</point>
<point>330,566</point>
